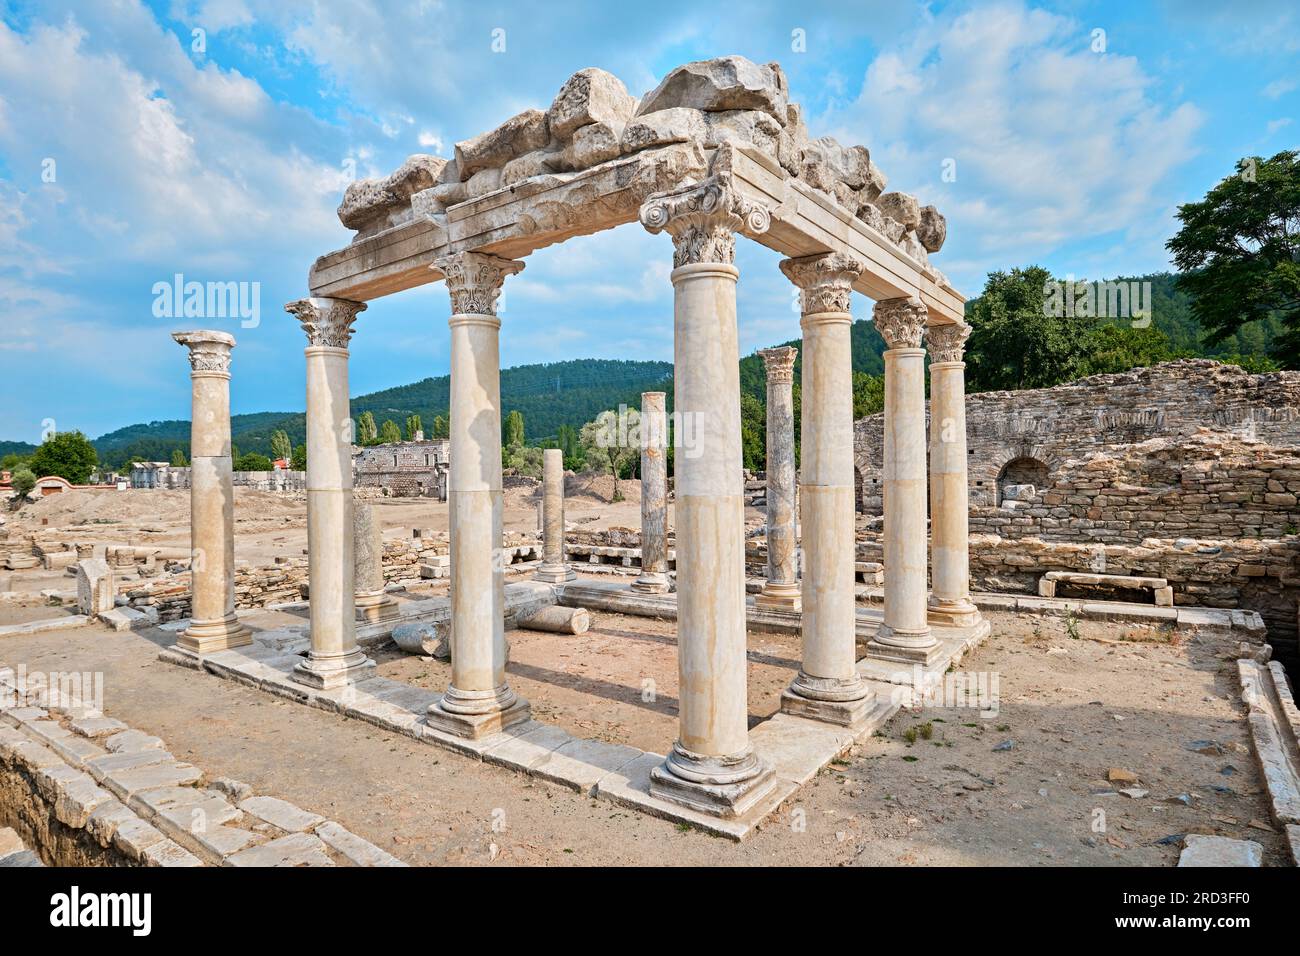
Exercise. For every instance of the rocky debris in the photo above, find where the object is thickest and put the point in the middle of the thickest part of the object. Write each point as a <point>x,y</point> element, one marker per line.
<point>724,83</point>
<point>709,104</point>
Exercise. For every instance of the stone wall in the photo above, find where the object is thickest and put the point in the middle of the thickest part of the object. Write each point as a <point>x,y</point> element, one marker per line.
<point>404,469</point>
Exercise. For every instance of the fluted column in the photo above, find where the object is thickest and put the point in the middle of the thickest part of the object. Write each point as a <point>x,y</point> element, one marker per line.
<point>213,626</point>
<point>781,589</point>
<point>950,601</point>
<point>555,568</point>
<point>905,634</point>
<point>828,686</point>
<point>334,658</point>
<point>712,766</point>
<point>654,495</point>
<point>373,603</point>
<point>479,701</point>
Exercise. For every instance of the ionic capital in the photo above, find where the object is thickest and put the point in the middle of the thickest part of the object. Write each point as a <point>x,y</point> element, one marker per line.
<point>825,281</point>
<point>703,220</point>
<point>779,363</point>
<point>327,322</point>
<point>474,280</point>
<point>209,350</point>
<point>900,322</point>
<point>947,343</point>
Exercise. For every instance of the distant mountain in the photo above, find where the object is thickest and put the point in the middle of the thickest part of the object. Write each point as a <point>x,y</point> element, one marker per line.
<point>15,448</point>
<point>549,395</point>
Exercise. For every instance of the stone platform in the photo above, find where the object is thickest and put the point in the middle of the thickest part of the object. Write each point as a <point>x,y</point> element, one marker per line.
<point>797,748</point>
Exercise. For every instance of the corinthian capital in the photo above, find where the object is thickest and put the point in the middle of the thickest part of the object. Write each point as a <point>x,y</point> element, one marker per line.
<point>901,322</point>
<point>474,280</point>
<point>327,322</point>
<point>703,220</point>
<point>825,281</point>
<point>947,342</point>
<point>779,363</point>
<point>209,351</point>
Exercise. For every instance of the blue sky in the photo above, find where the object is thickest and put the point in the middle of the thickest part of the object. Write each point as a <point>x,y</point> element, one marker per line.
<point>227,163</point>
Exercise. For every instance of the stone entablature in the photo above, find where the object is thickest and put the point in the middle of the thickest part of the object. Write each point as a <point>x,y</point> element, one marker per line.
<point>1102,415</point>
<point>405,469</point>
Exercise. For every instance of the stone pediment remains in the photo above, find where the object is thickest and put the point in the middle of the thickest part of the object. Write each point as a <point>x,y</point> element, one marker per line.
<point>590,160</point>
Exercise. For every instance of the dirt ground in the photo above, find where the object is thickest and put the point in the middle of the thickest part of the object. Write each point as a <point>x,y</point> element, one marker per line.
<point>937,786</point>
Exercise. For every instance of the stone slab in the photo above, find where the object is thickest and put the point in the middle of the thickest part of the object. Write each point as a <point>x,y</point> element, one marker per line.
<point>1220,851</point>
<point>297,849</point>
<point>527,745</point>
<point>354,849</point>
<point>797,748</point>
<point>124,783</point>
<point>281,814</point>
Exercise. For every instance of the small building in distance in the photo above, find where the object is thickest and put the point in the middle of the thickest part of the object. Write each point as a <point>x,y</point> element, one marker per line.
<point>405,469</point>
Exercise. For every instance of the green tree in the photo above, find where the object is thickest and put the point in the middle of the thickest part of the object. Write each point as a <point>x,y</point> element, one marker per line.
<point>366,431</point>
<point>389,432</point>
<point>1116,348</point>
<point>753,433</point>
<point>299,460</point>
<point>23,480</point>
<point>1239,251</point>
<point>568,442</point>
<point>253,462</point>
<point>514,429</point>
<point>11,461</point>
<point>281,447</point>
<point>178,459</point>
<point>414,426</point>
<point>607,449</point>
<point>440,429</point>
<point>69,455</point>
<point>868,394</point>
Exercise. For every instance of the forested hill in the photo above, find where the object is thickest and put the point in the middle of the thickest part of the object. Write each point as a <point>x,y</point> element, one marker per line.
<point>549,395</point>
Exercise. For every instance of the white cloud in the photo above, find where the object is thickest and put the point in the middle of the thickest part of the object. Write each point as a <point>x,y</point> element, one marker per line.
<point>1053,143</point>
<point>1278,88</point>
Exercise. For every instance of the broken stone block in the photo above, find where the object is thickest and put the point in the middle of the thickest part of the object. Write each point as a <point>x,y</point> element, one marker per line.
<point>589,96</point>
<point>932,229</point>
<point>430,639</point>
<point>94,586</point>
<point>1199,850</point>
<point>901,207</point>
<point>725,83</point>
<point>592,145</point>
<point>677,125</point>
<point>281,814</point>
<point>518,135</point>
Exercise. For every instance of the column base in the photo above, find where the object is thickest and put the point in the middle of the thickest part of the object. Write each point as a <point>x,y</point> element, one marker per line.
<point>653,582</point>
<point>788,597</point>
<point>477,714</point>
<point>909,647</point>
<point>208,637</point>
<point>952,613</point>
<point>326,673</point>
<point>555,574</point>
<point>376,608</point>
<point>845,703</point>
<point>718,786</point>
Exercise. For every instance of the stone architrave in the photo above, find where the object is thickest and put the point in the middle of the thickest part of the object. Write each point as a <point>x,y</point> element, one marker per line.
<point>554,569</point>
<point>334,659</point>
<point>478,701</point>
<point>828,686</point>
<point>712,767</point>
<point>372,602</point>
<point>950,602</point>
<point>654,496</point>
<point>781,589</point>
<point>905,634</point>
<point>213,625</point>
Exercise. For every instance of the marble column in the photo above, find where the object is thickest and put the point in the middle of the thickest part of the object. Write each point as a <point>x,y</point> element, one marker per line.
<point>828,686</point>
<point>478,702</point>
<point>950,601</point>
<point>654,495</point>
<point>213,626</point>
<point>905,635</point>
<point>555,568</point>
<point>712,766</point>
<point>334,658</point>
<point>372,602</point>
<point>781,589</point>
